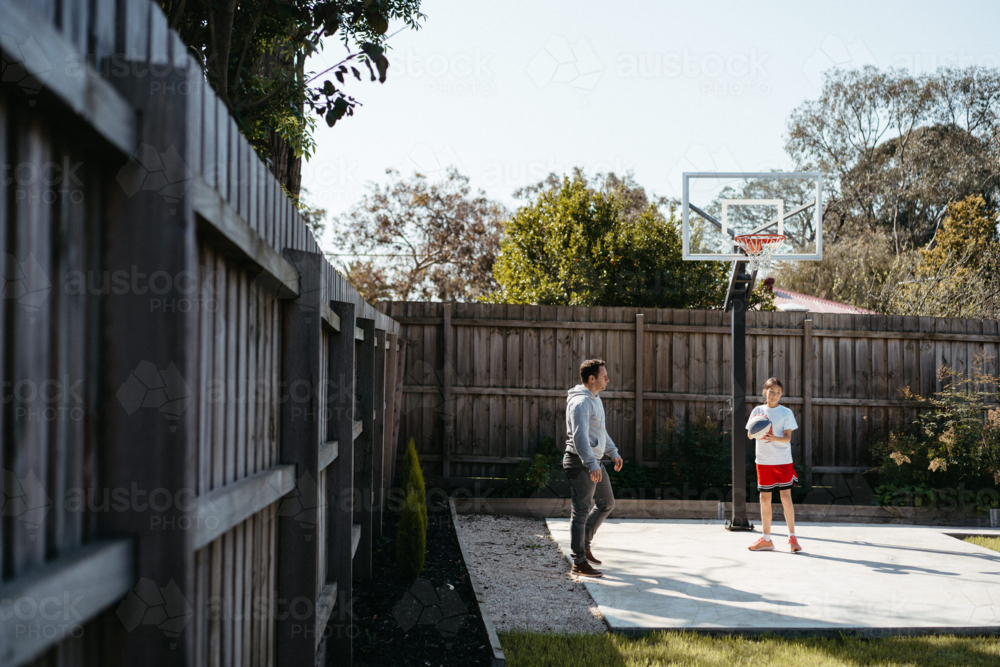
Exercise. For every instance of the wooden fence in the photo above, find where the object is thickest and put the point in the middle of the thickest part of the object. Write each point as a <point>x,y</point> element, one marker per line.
<point>485,382</point>
<point>199,413</point>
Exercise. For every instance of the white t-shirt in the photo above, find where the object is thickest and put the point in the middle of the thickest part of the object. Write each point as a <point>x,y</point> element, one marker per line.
<point>782,419</point>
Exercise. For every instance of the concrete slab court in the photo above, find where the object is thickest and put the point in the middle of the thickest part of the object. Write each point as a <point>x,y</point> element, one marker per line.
<point>857,579</point>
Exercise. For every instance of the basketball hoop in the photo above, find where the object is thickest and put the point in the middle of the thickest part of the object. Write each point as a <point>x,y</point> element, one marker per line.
<point>760,248</point>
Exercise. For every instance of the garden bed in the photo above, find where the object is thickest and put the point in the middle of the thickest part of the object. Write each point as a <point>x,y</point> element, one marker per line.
<point>430,622</point>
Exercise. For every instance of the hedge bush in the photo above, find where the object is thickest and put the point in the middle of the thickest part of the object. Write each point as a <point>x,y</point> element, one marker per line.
<point>411,536</point>
<point>950,456</point>
<point>412,475</point>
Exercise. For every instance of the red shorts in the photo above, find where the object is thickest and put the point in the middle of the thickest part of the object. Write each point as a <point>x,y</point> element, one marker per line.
<point>770,478</point>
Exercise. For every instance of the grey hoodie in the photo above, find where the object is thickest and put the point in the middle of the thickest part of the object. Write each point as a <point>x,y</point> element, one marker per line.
<point>586,433</point>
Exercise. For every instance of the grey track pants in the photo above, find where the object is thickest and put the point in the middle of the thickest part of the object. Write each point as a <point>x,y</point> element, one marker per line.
<point>591,504</point>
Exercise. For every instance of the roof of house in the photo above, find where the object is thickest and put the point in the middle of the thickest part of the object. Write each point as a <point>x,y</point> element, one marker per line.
<point>788,301</point>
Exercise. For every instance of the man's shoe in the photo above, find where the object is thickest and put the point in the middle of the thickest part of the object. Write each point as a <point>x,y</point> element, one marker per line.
<point>590,557</point>
<point>793,544</point>
<point>586,570</point>
<point>762,545</point>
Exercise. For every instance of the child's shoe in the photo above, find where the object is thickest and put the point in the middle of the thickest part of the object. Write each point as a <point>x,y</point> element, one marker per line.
<point>762,545</point>
<point>793,544</point>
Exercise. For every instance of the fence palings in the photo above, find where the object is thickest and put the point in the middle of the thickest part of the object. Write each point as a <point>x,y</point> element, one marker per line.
<point>151,284</point>
<point>505,370</point>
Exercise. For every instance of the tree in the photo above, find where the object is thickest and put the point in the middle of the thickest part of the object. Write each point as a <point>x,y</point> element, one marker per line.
<point>897,149</point>
<point>600,244</point>
<point>429,240</point>
<point>369,279</point>
<point>313,216</point>
<point>253,53</point>
<point>969,233</point>
<point>956,276</point>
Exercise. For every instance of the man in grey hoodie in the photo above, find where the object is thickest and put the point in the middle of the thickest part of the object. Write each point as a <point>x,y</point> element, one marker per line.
<point>587,442</point>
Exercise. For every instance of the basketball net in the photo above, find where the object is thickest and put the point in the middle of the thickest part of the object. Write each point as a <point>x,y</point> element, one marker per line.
<point>760,248</point>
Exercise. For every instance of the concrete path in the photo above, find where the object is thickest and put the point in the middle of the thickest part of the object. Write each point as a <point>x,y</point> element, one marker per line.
<point>856,578</point>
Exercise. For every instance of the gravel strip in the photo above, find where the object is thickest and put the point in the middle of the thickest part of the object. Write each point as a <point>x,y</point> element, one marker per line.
<point>526,578</point>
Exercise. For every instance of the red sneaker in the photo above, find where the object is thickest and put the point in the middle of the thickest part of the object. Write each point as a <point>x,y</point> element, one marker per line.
<point>762,545</point>
<point>793,544</point>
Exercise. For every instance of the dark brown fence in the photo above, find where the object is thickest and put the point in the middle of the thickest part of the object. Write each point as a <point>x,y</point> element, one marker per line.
<point>485,382</point>
<point>198,411</point>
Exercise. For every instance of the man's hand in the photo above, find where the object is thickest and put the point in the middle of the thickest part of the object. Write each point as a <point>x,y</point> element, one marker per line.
<point>618,463</point>
<point>595,476</point>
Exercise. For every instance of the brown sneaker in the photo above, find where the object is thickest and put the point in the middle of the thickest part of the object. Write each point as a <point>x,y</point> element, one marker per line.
<point>590,557</point>
<point>586,570</point>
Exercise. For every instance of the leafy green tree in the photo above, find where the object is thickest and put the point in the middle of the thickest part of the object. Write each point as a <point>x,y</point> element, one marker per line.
<point>254,53</point>
<point>601,244</point>
<point>969,232</point>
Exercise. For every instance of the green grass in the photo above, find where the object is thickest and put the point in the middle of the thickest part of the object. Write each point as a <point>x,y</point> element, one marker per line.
<point>988,542</point>
<point>533,649</point>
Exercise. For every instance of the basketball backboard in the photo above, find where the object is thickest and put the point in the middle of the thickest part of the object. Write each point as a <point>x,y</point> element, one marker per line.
<point>718,206</point>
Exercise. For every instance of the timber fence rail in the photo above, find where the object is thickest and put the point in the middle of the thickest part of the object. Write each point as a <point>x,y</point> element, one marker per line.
<point>199,412</point>
<point>484,382</point>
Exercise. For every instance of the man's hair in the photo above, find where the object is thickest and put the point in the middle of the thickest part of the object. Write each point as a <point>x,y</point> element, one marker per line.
<point>590,367</point>
<point>772,382</point>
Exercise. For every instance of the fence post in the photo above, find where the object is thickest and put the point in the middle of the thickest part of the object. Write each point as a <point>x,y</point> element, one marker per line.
<point>298,531</point>
<point>339,483</point>
<point>398,416</point>
<point>145,352</point>
<point>364,447</point>
<point>446,413</point>
<point>807,393</point>
<point>378,436</point>
<point>390,411</point>
<point>639,371</point>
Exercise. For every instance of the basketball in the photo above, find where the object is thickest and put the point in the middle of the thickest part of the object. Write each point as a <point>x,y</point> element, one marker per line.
<point>759,427</point>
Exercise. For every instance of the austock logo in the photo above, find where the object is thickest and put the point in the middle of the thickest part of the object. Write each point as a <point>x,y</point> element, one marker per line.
<point>832,53</point>
<point>265,288</point>
<point>423,604</point>
<point>150,170</point>
<point>148,387</point>
<point>24,63</point>
<point>149,604</point>
<point>561,62</point>
<point>429,161</point>
<point>298,506</point>
<point>24,282</point>
<point>25,500</point>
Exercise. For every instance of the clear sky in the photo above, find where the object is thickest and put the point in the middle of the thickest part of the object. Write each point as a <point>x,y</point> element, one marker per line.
<point>508,91</point>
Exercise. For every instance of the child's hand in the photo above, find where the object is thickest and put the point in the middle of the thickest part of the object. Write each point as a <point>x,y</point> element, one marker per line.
<point>767,437</point>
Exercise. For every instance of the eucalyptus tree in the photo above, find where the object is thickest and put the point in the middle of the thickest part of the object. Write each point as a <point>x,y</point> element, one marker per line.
<point>898,148</point>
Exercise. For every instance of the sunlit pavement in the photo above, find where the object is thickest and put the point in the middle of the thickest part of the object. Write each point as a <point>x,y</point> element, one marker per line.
<point>852,578</point>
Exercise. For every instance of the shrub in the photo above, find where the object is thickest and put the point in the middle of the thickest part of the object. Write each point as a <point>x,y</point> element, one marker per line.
<point>412,475</point>
<point>950,451</point>
<point>531,476</point>
<point>413,478</point>
<point>696,453</point>
<point>633,478</point>
<point>411,536</point>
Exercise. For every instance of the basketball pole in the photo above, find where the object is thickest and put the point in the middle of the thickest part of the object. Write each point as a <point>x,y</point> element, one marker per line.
<point>740,288</point>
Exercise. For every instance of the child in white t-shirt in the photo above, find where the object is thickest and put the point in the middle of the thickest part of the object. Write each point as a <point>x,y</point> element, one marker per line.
<point>774,464</point>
